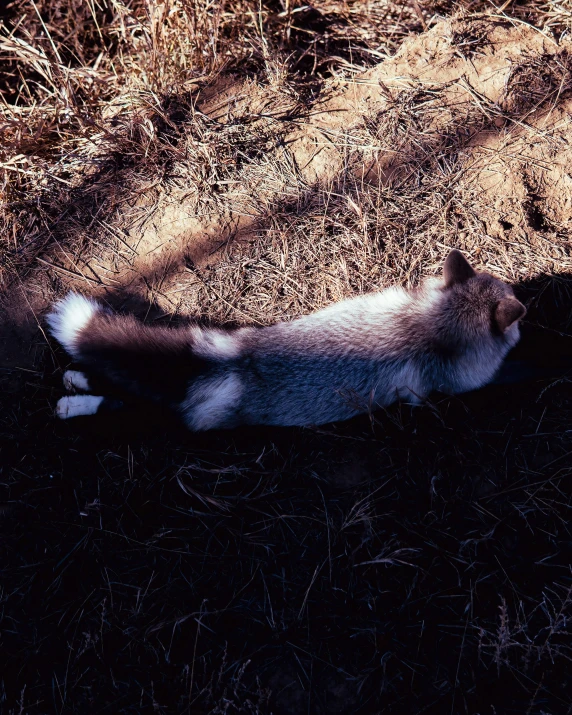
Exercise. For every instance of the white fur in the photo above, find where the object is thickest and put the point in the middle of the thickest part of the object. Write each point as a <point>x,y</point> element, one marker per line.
<point>409,385</point>
<point>371,311</point>
<point>224,345</point>
<point>210,402</point>
<point>391,299</point>
<point>216,344</point>
<point>69,317</point>
<point>77,405</point>
<point>369,305</point>
<point>75,380</point>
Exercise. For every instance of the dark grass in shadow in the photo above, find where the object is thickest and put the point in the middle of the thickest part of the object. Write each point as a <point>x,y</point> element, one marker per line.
<point>413,563</point>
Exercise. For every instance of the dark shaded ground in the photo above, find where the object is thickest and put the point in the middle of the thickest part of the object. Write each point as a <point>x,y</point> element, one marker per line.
<point>416,563</point>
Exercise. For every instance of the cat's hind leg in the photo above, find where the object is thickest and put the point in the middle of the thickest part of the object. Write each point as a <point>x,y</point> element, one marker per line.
<point>76,381</point>
<point>84,405</point>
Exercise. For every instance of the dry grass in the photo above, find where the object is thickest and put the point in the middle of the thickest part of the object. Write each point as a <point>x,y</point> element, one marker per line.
<point>414,562</point>
<point>88,90</point>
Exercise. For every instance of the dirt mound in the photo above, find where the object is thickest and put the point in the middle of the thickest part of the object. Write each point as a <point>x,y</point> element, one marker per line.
<point>490,99</point>
<point>521,176</point>
<point>479,94</point>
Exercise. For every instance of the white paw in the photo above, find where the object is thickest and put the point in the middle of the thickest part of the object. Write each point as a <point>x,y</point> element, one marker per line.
<point>77,405</point>
<point>75,380</point>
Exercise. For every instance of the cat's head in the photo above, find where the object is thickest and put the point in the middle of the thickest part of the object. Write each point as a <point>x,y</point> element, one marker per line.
<point>479,304</point>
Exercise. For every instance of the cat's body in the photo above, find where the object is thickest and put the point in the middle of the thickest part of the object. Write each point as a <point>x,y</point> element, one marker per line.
<point>450,335</point>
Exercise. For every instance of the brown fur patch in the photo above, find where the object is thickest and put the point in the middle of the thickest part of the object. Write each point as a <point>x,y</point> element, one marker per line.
<point>507,312</point>
<point>153,362</point>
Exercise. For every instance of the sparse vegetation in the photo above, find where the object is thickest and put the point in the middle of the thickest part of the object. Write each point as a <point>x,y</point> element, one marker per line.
<point>224,161</point>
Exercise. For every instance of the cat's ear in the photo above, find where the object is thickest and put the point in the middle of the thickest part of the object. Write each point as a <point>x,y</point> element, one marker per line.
<point>507,312</point>
<point>457,269</point>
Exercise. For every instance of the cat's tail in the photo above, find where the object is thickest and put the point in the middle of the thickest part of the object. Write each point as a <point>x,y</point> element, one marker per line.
<point>69,319</point>
<point>153,362</point>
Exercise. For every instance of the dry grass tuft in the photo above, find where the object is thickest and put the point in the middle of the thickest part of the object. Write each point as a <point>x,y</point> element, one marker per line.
<point>85,87</point>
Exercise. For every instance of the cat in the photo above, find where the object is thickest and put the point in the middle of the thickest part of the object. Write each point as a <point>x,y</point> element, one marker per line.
<point>450,334</point>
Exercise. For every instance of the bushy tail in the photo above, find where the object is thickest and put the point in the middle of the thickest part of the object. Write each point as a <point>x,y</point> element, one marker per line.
<point>69,318</point>
<point>152,362</point>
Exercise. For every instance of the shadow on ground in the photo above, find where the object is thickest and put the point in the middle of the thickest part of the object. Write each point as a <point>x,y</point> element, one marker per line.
<point>414,563</point>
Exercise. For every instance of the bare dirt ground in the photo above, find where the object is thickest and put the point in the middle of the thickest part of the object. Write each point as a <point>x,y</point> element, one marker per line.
<point>246,162</point>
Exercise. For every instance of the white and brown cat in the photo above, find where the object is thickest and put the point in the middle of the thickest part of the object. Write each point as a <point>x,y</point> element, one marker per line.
<point>451,334</point>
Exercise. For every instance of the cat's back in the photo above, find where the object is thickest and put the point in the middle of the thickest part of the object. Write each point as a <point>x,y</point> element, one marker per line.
<point>363,326</point>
